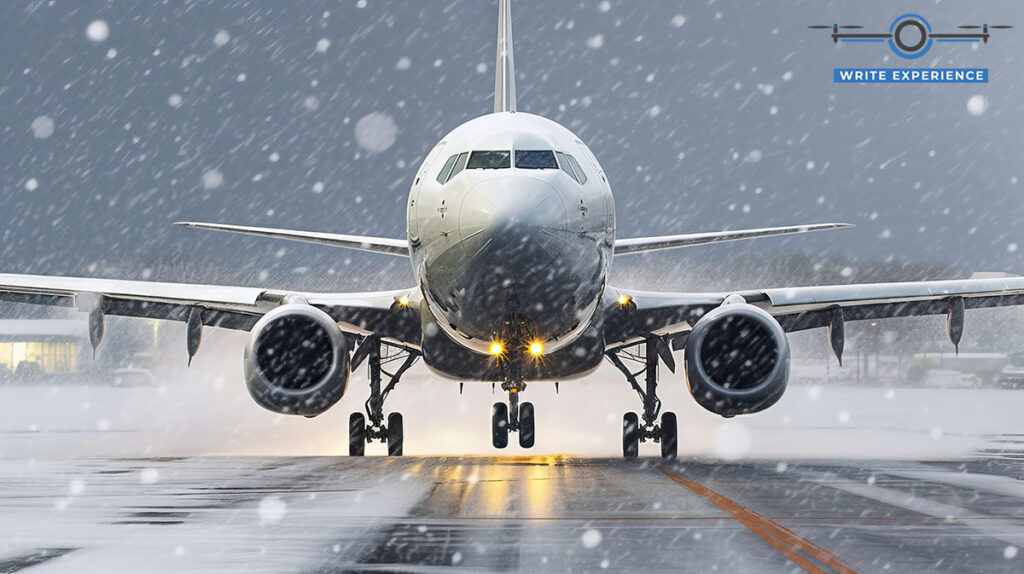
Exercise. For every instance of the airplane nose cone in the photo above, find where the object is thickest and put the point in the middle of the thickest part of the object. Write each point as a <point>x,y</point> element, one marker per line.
<point>513,217</point>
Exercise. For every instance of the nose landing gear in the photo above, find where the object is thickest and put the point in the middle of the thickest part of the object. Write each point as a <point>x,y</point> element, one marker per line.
<point>516,330</point>
<point>359,432</point>
<point>512,417</point>
<point>633,433</point>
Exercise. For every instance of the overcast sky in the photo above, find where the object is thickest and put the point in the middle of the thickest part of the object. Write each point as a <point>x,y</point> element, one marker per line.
<point>118,118</point>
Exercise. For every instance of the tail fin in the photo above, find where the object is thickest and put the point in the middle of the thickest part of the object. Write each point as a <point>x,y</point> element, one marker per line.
<point>504,67</point>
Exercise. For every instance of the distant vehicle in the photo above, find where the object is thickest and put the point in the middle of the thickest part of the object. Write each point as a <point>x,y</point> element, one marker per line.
<point>1012,378</point>
<point>132,377</point>
<point>28,371</point>
<point>982,364</point>
<point>511,237</point>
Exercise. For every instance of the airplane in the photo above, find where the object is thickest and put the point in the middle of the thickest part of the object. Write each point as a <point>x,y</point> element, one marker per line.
<point>511,237</point>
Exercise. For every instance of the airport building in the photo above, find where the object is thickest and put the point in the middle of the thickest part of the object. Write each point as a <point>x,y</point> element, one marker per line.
<point>34,346</point>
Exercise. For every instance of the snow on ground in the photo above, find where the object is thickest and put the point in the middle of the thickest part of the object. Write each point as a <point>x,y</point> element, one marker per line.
<point>206,410</point>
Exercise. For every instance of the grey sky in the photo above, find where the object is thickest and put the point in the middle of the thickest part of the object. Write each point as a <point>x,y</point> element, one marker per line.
<point>704,115</point>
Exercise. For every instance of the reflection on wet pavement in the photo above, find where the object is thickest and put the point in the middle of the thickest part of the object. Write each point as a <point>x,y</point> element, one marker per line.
<point>498,514</point>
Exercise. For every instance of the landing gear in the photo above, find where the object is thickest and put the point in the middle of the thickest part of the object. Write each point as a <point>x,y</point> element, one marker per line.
<point>395,432</point>
<point>359,432</point>
<point>630,435</point>
<point>499,425</point>
<point>669,435</point>
<point>356,434</point>
<point>512,417</point>
<point>633,432</point>
<point>526,425</point>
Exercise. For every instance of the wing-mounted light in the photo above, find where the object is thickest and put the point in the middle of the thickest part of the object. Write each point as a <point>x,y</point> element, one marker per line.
<point>626,302</point>
<point>403,302</point>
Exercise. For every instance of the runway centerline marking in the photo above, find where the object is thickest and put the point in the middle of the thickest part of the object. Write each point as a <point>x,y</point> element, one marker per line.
<point>787,542</point>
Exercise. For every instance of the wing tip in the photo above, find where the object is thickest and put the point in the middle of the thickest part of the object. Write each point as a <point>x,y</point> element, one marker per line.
<point>823,226</point>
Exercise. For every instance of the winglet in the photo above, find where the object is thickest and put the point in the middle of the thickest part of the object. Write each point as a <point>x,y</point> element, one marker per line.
<point>504,66</point>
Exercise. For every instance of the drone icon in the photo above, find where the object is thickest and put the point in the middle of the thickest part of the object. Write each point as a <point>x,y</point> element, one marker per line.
<point>910,36</point>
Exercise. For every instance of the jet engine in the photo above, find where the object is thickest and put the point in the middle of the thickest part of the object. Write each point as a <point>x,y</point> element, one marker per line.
<point>296,361</point>
<point>737,360</point>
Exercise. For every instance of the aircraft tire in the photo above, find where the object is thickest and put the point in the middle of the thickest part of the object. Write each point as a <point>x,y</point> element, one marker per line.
<point>396,434</point>
<point>499,425</point>
<point>630,435</point>
<point>526,425</point>
<point>669,436</point>
<point>356,434</point>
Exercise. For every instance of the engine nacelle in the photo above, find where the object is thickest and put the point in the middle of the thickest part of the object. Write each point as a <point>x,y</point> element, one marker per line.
<point>737,360</point>
<point>296,361</point>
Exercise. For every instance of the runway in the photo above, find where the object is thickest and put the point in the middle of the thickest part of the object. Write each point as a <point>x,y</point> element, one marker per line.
<point>191,476</point>
<point>509,514</point>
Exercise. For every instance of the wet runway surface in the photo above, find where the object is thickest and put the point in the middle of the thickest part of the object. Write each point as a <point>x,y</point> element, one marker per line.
<point>499,514</point>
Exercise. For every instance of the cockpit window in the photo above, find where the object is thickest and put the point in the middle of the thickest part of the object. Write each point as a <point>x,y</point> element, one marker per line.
<point>581,176</point>
<point>535,159</point>
<point>489,160</point>
<point>563,162</point>
<point>447,169</point>
<point>460,164</point>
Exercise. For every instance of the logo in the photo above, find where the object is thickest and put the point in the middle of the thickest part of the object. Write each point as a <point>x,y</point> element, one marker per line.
<point>911,36</point>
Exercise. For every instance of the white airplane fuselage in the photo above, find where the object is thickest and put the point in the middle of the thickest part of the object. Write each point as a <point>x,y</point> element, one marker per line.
<point>515,254</point>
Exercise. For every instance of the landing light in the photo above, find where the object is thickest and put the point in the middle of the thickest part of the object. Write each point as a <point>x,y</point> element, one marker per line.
<point>536,348</point>
<point>403,301</point>
<point>497,349</point>
<point>625,300</point>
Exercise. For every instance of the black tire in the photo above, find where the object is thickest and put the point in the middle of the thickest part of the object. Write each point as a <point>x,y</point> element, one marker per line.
<point>669,436</point>
<point>499,425</point>
<point>356,434</point>
<point>630,435</point>
<point>395,434</point>
<point>526,425</point>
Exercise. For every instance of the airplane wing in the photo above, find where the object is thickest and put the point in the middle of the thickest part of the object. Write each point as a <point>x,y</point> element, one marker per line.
<point>629,316</point>
<point>638,244</point>
<point>390,314</point>
<point>364,243</point>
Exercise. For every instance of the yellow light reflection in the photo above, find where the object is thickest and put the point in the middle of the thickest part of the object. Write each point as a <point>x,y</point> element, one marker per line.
<point>539,489</point>
<point>536,348</point>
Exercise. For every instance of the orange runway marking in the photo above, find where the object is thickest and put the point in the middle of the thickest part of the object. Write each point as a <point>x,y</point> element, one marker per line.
<point>787,542</point>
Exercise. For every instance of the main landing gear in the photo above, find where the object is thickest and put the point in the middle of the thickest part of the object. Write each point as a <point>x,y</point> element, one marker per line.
<point>360,433</point>
<point>633,433</point>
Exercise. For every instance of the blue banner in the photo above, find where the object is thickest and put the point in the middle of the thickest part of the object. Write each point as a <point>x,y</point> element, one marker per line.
<point>910,75</point>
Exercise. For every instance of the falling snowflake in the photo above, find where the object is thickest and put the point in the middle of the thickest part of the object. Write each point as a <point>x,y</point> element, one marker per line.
<point>272,509</point>
<point>42,127</point>
<point>97,31</point>
<point>591,538</point>
<point>977,104</point>
<point>376,132</point>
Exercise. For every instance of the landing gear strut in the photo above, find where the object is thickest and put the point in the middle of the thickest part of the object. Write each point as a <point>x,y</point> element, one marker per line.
<point>392,433</point>
<point>633,432</point>
<point>512,417</point>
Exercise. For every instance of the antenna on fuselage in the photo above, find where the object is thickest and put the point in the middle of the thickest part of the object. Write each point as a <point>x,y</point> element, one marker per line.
<point>504,67</point>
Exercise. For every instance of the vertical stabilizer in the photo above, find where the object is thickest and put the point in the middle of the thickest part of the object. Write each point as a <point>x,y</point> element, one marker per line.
<point>504,67</point>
